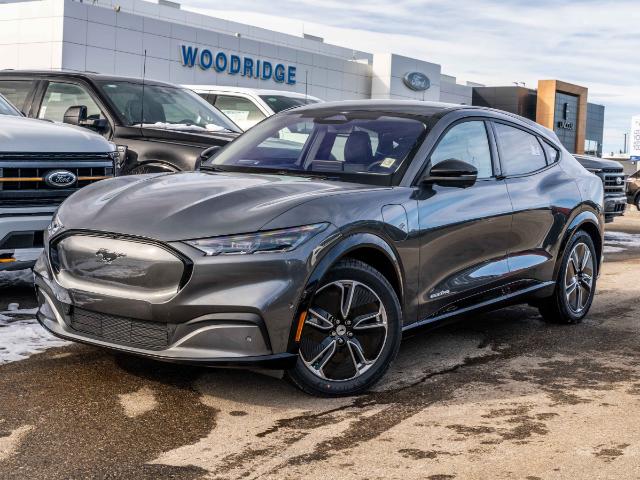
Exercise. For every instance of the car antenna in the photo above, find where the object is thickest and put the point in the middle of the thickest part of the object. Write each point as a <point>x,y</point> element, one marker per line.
<point>144,74</point>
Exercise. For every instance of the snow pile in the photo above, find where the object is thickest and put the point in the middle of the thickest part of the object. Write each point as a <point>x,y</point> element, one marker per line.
<point>615,242</point>
<point>22,336</point>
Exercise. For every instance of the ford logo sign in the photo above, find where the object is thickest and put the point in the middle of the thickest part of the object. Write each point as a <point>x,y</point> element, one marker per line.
<point>60,178</point>
<point>417,81</point>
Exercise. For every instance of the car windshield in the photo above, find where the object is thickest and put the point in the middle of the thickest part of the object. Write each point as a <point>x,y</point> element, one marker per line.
<point>278,103</point>
<point>165,107</point>
<point>325,143</point>
<point>7,109</point>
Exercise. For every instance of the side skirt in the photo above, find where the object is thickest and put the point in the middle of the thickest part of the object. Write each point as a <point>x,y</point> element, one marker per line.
<point>487,304</point>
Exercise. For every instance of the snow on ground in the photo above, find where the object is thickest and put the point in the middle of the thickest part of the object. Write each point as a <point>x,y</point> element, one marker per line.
<point>615,242</point>
<point>22,336</point>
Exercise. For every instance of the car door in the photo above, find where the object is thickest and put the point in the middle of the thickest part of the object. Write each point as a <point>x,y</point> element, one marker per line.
<point>542,195</point>
<point>464,231</point>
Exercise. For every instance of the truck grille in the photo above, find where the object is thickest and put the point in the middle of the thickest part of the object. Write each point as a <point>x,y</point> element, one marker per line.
<point>22,175</point>
<point>610,178</point>
<point>120,330</point>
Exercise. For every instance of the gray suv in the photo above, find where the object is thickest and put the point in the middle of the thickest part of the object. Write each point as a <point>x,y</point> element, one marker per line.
<point>321,234</point>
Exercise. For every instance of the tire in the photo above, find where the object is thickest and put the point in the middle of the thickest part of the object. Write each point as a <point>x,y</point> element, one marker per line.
<point>637,202</point>
<point>340,354</point>
<point>565,308</point>
<point>142,169</point>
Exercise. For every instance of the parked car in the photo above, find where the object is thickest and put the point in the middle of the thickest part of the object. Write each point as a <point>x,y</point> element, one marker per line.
<point>315,256</point>
<point>41,164</point>
<point>614,180</point>
<point>157,126</point>
<point>248,106</point>
<point>6,108</point>
<point>633,189</point>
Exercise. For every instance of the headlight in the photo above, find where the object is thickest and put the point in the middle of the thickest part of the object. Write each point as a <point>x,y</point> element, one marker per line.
<point>283,240</point>
<point>55,226</point>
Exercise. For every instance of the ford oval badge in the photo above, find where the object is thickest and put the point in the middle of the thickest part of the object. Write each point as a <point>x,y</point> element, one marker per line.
<point>60,178</point>
<point>417,81</point>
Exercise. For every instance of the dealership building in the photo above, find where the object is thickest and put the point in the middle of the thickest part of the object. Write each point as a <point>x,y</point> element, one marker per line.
<point>560,106</point>
<point>129,37</point>
<point>112,37</point>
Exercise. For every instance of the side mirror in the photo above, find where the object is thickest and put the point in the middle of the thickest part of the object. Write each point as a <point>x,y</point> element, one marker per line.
<point>452,173</point>
<point>207,155</point>
<point>75,115</point>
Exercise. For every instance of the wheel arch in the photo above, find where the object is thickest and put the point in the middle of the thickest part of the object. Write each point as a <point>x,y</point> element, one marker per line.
<point>366,247</point>
<point>590,223</point>
<point>160,165</point>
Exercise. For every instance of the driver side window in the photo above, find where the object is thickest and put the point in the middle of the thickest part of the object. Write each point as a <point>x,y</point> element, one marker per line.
<point>61,96</point>
<point>468,142</point>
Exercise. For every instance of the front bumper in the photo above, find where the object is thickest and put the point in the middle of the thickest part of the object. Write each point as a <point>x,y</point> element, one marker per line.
<point>193,349</point>
<point>231,310</point>
<point>614,206</point>
<point>18,227</point>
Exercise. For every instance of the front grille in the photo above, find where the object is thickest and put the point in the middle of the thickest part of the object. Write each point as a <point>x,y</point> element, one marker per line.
<point>22,175</point>
<point>85,175</point>
<point>609,177</point>
<point>120,330</point>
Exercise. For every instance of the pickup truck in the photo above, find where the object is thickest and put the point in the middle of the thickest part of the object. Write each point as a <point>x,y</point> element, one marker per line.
<point>157,126</point>
<point>41,164</point>
<point>614,180</point>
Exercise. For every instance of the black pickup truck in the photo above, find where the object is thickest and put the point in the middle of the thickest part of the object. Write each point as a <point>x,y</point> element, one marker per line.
<point>612,175</point>
<point>157,126</point>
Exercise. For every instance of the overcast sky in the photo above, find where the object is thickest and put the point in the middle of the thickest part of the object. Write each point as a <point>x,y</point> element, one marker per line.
<point>594,43</point>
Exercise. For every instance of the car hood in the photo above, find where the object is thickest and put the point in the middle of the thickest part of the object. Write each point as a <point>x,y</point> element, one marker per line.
<point>20,134</point>
<point>595,163</point>
<point>189,205</point>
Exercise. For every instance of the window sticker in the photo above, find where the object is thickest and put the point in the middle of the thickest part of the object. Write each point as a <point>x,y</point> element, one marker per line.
<point>388,162</point>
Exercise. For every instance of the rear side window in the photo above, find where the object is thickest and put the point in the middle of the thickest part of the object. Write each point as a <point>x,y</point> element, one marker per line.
<point>16,91</point>
<point>520,152</point>
<point>241,110</point>
<point>551,153</point>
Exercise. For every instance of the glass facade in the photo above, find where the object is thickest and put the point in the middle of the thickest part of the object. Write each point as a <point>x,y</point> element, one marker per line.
<point>595,128</point>
<point>566,119</point>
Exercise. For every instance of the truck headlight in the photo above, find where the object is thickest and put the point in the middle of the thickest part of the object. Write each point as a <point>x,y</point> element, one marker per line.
<point>283,240</point>
<point>55,226</point>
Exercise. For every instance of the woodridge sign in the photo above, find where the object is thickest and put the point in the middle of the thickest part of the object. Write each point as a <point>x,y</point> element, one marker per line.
<point>232,64</point>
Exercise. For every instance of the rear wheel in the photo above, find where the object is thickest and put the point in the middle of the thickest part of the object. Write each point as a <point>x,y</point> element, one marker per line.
<point>576,284</point>
<point>351,333</point>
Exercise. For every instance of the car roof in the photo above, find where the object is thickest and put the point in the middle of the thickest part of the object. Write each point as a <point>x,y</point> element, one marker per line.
<point>94,76</point>
<point>255,91</point>
<point>426,108</point>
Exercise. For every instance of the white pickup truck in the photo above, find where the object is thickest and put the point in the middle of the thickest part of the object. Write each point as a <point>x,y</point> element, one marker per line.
<point>41,164</point>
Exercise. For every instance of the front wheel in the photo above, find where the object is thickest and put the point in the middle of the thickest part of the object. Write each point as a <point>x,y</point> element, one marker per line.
<point>576,284</point>
<point>351,333</point>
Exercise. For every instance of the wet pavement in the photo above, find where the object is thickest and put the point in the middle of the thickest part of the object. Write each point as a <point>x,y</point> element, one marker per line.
<point>502,395</point>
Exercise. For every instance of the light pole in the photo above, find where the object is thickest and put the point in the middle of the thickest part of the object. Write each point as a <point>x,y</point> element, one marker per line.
<point>624,149</point>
